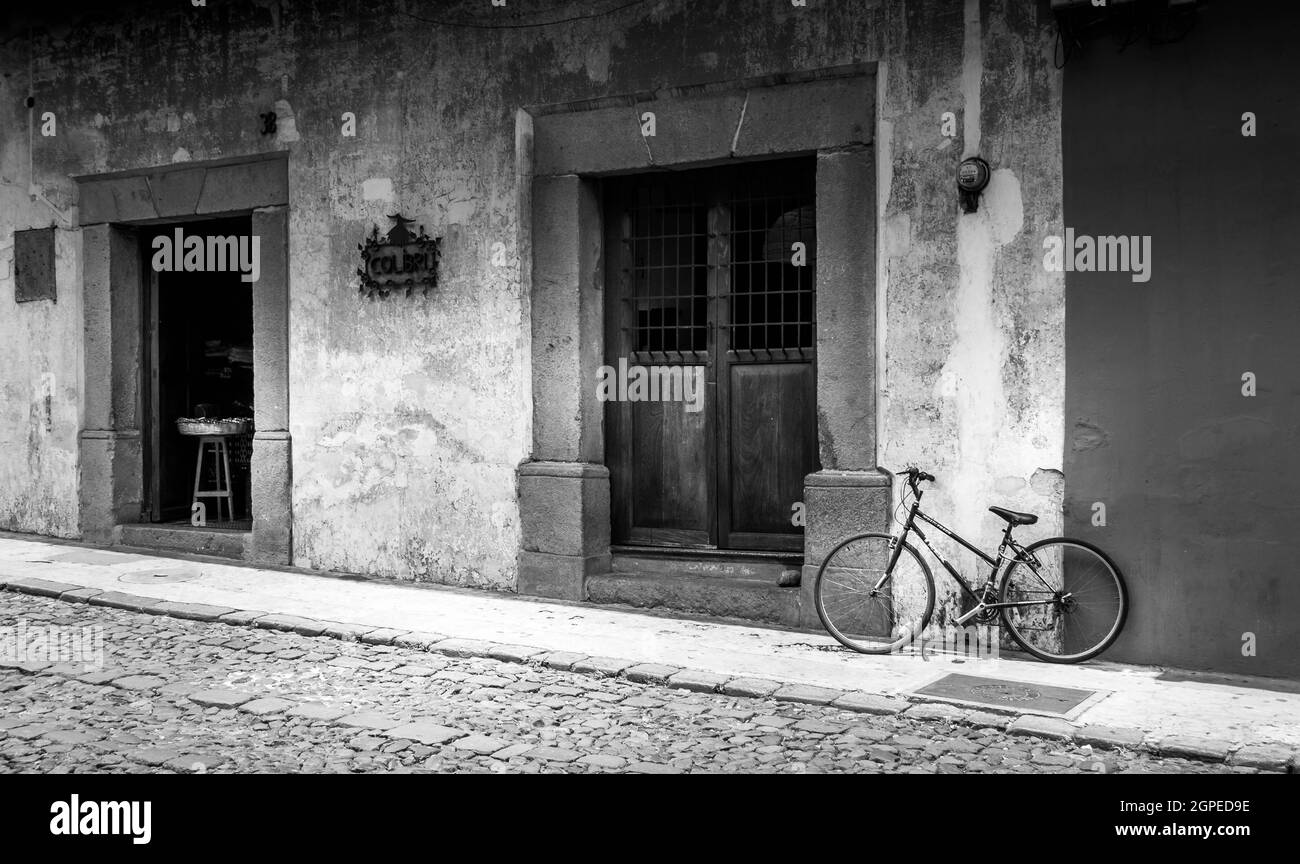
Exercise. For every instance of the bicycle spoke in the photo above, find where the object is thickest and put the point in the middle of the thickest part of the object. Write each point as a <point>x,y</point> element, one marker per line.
<point>1078,601</point>
<point>864,607</point>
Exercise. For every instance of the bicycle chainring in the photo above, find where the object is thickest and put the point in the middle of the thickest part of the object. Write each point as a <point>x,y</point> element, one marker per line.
<point>988,616</point>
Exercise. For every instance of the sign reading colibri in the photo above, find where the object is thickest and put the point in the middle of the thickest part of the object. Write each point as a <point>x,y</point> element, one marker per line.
<point>398,260</point>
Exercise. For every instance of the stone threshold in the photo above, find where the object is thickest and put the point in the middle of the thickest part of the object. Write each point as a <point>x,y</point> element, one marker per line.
<point>1266,757</point>
<point>226,543</point>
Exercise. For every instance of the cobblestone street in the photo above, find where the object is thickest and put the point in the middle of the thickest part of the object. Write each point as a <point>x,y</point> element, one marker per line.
<point>181,695</point>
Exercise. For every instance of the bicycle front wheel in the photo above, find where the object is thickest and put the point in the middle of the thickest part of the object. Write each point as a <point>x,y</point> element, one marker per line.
<point>863,607</point>
<point>1072,600</point>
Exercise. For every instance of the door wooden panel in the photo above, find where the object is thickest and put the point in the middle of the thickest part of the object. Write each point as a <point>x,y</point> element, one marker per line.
<point>772,444</point>
<point>669,494</point>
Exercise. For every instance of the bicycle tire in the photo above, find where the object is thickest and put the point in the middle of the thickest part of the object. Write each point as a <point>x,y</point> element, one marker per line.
<point>1090,652</point>
<point>819,595</point>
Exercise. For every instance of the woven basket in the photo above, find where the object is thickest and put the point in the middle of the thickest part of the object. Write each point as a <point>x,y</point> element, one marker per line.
<point>188,426</point>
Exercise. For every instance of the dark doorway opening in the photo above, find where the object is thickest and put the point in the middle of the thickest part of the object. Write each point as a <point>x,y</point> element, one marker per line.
<point>198,346</point>
<point>711,271</point>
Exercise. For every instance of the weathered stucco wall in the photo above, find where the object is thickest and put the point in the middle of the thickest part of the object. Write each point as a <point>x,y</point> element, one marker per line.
<point>40,381</point>
<point>409,416</point>
<point>972,344</point>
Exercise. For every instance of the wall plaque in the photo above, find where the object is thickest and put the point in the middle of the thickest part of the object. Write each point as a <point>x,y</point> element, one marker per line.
<point>34,277</point>
<point>401,260</point>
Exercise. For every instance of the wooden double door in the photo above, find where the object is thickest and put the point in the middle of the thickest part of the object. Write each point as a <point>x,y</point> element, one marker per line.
<point>710,274</point>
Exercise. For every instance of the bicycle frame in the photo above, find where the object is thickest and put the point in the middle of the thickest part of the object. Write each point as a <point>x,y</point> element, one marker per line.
<point>982,604</point>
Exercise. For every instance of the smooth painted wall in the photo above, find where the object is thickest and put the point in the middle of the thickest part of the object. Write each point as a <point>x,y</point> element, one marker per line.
<point>1200,484</point>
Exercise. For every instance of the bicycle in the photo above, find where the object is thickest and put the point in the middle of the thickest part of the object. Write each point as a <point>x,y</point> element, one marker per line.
<point>1062,600</point>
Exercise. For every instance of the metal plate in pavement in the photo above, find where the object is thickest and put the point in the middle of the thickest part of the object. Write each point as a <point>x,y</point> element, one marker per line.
<point>1006,694</point>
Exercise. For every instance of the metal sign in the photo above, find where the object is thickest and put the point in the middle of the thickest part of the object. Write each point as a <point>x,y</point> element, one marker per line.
<point>34,277</point>
<point>401,260</point>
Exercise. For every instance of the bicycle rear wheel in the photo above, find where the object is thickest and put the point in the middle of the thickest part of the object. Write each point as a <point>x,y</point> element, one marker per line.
<point>862,607</point>
<point>1077,596</point>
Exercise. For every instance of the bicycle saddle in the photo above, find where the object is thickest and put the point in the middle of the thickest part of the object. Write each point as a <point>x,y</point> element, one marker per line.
<point>1013,517</point>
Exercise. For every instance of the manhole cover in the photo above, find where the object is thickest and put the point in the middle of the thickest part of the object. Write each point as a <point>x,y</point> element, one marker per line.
<point>1006,692</point>
<point>157,578</point>
<point>998,692</point>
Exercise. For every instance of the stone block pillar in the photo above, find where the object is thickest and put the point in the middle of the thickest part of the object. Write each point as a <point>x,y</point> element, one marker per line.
<point>111,450</point>
<point>272,468</point>
<point>564,491</point>
<point>850,494</point>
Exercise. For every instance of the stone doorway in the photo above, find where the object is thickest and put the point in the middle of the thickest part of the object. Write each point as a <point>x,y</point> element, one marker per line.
<point>566,155</point>
<point>115,212</point>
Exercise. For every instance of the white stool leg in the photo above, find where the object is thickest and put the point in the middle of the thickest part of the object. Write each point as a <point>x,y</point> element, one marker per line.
<point>230,495</point>
<point>198,473</point>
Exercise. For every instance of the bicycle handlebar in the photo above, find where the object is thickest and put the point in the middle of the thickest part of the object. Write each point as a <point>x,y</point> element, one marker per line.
<point>916,475</point>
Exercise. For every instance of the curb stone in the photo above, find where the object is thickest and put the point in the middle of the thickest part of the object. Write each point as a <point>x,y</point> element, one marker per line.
<point>119,600</point>
<point>194,611</point>
<point>650,673</point>
<point>241,618</point>
<point>943,711</point>
<point>808,694</point>
<point>41,587</point>
<point>1037,726</point>
<point>417,640</point>
<point>1256,755</point>
<point>754,688</point>
<point>292,624</point>
<point>1110,738</point>
<point>700,682</point>
<point>935,711</point>
<point>80,595</point>
<point>514,653</point>
<point>562,660</point>
<point>463,647</point>
<point>1269,757</point>
<point>1188,746</point>
<point>869,703</point>
<point>605,666</point>
<point>381,635</point>
<point>345,632</point>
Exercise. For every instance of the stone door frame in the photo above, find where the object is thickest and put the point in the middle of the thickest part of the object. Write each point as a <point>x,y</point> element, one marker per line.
<point>562,152</point>
<point>111,207</point>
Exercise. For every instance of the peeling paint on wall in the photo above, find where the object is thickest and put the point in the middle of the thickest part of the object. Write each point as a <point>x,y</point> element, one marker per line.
<point>40,393</point>
<point>973,328</point>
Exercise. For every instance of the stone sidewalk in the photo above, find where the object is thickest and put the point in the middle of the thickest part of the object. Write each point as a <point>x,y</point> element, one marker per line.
<point>1136,710</point>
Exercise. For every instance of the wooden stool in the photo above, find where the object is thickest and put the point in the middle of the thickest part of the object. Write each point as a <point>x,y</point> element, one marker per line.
<point>221,462</point>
